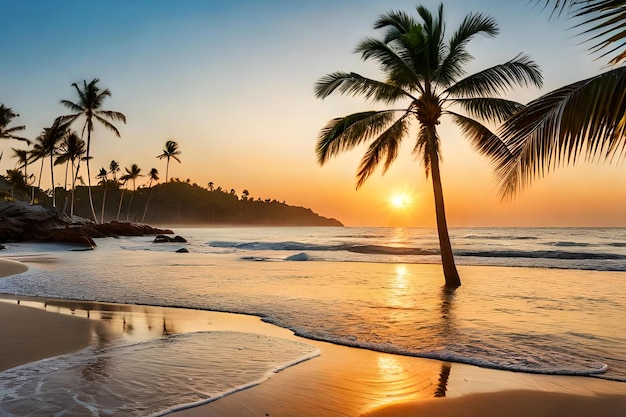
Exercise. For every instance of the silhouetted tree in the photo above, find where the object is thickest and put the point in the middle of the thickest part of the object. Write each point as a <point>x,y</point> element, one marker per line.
<point>104,179</point>
<point>6,117</point>
<point>170,151</point>
<point>154,176</point>
<point>88,106</point>
<point>48,141</point>
<point>426,72</point>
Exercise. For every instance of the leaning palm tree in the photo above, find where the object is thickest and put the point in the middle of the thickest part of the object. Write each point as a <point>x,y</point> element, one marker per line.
<point>425,76</point>
<point>72,151</point>
<point>114,168</point>
<point>585,119</point>
<point>104,179</point>
<point>153,175</point>
<point>170,151</point>
<point>6,116</point>
<point>89,104</point>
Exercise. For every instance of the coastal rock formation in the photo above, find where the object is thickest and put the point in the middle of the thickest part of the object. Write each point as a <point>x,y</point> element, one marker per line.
<point>167,239</point>
<point>22,222</point>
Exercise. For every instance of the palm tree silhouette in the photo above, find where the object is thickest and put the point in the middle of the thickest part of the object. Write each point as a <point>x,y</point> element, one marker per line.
<point>48,145</point>
<point>71,152</point>
<point>131,175</point>
<point>114,168</point>
<point>586,118</point>
<point>104,179</point>
<point>90,100</point>
<point>154,176</point>
<point>170,151</point>
<point>6,116</point>
<point>427,73</point>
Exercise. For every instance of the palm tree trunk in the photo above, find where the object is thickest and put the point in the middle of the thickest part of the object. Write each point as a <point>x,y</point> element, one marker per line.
<point>447,257</point>
<point>43,160</point>
<point>93,211</point>
<point>167,169</point>
<point>54,200</point>
<point>104,199</point>
<point>119,208</point>
<point>147,202</point>
<point>74,178</point>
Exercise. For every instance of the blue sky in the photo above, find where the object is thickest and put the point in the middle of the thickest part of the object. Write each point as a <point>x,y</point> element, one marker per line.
<point>232,83</point>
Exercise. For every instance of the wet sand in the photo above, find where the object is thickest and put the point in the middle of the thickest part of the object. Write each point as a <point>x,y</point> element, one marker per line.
<point>342,381</point>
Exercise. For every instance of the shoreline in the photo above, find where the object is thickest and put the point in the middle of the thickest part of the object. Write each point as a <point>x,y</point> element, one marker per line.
<point>341,381</point>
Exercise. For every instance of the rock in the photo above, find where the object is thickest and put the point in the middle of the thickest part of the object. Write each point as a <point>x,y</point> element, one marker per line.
<point>22,222</point>
<point>182,250</point>
<point>167,239</point>
<point>2,247</point>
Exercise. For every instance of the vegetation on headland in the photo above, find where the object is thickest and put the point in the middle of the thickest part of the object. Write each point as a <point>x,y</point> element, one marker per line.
<point>175,203</point>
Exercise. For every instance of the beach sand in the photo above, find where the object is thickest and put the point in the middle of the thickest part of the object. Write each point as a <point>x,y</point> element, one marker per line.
<point>342,381</point>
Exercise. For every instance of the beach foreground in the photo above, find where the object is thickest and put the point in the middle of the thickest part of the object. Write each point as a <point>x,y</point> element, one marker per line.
<point>341,381</point>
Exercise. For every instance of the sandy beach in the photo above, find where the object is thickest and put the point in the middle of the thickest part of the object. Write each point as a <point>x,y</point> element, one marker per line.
<point>341,381</point>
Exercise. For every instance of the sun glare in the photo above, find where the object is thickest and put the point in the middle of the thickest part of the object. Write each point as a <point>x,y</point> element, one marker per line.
<point>400,201</point>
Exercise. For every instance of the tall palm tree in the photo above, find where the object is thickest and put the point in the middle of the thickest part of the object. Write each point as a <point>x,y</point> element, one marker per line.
<point>88,106</point>
<point>22,156</point>
<point>170,151</point>
<point>153,175</point>
<point>6,116</point>
<point>583,119</point>
<point>131,175</point>
<point>426,74</point>
<point>48,142</point>
<point>104,179</point>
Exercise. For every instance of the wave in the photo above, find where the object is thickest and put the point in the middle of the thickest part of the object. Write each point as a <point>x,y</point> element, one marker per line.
<point>153,377</point>
<point>500,237</point>
<point>542,254</point>
<point>302,247</point>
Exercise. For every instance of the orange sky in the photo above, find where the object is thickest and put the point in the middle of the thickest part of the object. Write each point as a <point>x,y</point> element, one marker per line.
<point>233,85</point>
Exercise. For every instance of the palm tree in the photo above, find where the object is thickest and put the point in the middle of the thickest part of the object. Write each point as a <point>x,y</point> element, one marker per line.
<point>22,156</point>
<point>131,175</point>
<point>170,151</point>
<point>71,152</point>
<point>48,142</point>
<point>114,168</point>
<point>103,176</point>
<point>6,116</point>
<point>425,72</point>
<point>154,176</point>
<point>583,119</point>
<point>90,100</point>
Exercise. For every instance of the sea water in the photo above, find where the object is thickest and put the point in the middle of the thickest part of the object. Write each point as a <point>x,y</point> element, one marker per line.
<point>533,300</point>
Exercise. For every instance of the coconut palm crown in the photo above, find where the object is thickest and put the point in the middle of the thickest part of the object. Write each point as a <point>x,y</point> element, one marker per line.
<point>6,116</point>
<point>425,81</point>
<point>170,151</point>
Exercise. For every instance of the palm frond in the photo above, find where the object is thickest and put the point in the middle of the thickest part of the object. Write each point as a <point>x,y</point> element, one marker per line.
<point>586,118</point>
<point>521,71</point>
<point>344,133</point>
<point>397,23</point>
<point>457,56</point>
<point>393,58</point>
<point>489,108</point>
<point>482,139</point>
<point>356,85</point>
<point>72,106</point>
<point>384,147</point>
<point>427,147</point>
<point>107,124</point>
<point>112,115</point>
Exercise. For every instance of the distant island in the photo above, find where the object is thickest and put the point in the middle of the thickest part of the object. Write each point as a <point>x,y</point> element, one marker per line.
<point>172,203</point>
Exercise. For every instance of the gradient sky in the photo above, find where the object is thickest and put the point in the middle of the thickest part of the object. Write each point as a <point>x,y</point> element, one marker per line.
<point>232,83</point>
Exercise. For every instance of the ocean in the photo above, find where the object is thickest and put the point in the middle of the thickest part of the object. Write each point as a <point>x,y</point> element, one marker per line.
<point>538,300</point>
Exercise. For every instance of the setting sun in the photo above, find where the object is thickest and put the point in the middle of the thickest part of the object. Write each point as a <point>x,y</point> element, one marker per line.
<point>400,201</point>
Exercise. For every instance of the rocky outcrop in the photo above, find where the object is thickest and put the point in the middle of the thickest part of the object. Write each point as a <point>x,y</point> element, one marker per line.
<point>22,222</point>
<point>167,239</point>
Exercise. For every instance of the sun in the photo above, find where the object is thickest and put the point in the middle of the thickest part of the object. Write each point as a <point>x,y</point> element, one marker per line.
<point>400,201</point>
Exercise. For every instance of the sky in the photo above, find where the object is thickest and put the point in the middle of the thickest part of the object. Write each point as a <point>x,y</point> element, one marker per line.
<point>232,83</point>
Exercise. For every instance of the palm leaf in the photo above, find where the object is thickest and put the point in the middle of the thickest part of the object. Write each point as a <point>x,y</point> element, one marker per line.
<point>482,139</point>
<point>107,124</point>
<point>384,147</point>
<point>489,108</point>
<point>586,118</point>
<point>473,24</point>
<point>356,85</point>
<point>395,61</point>
<point>498,79</point>
<point>397,23</point>
<point>345,133</point>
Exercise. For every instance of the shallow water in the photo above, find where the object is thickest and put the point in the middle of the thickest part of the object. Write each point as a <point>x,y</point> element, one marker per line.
<point>366,288</point>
